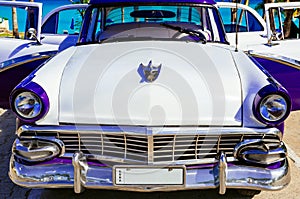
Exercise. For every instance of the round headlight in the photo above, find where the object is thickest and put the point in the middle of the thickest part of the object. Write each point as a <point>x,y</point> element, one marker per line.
<point>28,105</point>
<point>273,108</point>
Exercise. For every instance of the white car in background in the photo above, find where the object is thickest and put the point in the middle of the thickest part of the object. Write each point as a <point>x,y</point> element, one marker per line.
<point>30,22</point>
<point>38,40</point>
<point>268,45</point>
<point>251,26</point>
<point>61,26</point>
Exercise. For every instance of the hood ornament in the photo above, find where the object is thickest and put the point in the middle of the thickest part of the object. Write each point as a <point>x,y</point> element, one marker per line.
<point>148,73</point>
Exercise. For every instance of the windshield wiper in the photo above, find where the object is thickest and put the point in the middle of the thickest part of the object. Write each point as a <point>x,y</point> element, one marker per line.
<point>194,33</point>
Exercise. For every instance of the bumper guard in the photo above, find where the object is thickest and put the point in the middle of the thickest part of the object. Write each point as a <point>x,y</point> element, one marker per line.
<point>80,174</point>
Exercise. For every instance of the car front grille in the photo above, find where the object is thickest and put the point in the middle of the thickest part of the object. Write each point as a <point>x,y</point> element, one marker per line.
<point>154,149</point>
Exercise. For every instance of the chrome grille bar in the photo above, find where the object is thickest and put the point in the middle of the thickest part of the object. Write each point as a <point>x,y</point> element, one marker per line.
<point>148,148</point>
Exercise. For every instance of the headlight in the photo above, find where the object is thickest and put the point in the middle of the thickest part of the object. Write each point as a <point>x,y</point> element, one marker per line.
<point>29,101</point>
<point>273,108</point>
<point>272,105</point>
<point>28,105</point>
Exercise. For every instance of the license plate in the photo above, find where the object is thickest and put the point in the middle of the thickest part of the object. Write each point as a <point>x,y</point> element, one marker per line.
<point>148,175</point>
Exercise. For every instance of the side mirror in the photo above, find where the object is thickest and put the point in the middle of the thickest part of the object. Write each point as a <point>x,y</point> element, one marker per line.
<point>275,36</point>
<point>31,34</point>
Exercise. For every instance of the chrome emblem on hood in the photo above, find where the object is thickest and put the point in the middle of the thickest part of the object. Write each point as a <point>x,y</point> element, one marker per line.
<point>148,73</point>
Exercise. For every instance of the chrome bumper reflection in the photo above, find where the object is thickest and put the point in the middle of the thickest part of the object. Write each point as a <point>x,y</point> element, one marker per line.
<point>80,174</point>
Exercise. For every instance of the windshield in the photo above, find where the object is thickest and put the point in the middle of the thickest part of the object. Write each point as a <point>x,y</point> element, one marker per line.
<point>129,23</point>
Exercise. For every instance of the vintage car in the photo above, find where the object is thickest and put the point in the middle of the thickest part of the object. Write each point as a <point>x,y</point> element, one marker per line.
<point>152,98</point>
<point>29,30</point>
<point>37,41</point>
<point>271,47</point>
<point>279,54</point>
<point>250,25</point>
<point>61,25</point>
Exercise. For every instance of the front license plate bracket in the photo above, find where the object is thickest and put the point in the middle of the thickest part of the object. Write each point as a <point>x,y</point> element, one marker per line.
<point>134,175</point>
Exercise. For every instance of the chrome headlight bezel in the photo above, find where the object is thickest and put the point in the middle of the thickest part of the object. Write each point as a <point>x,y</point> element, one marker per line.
<point>28,105</point>
<point>29,101</point>
<point>273,108</point>
<point>272,105</point>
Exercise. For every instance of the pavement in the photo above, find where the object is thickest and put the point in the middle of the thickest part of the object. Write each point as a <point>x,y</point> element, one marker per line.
<point>11,191</point>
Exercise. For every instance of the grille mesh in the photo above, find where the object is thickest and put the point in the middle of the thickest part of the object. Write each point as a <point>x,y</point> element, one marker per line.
<point>154,148</point>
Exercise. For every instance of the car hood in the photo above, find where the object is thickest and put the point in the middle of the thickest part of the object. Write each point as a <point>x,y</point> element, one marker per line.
<point>280,49</point>
<point>191,84</point>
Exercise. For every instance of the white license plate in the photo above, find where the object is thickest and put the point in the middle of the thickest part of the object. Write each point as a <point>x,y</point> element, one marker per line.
<point>148,175</point>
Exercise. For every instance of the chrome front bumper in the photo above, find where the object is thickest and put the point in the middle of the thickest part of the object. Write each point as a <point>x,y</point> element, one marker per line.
<point>80,174</point>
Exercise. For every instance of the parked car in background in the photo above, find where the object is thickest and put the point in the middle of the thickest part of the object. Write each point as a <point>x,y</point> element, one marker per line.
<point>28,41</point>
<point>152,98</point>
<point>270,47</point>
<point>280,54</point>
<point>61,26</point>
<point>246,20</point>
<point>20,56</point>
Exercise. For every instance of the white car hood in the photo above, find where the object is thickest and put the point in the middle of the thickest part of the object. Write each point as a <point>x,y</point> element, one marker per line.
<point>198,84</point>
<point>282,48</point>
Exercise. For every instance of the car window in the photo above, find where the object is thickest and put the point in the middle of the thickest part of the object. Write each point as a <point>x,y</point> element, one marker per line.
<point>275,18</point>
<point>163,14</point>
<point>253,23</point>
<point>285,21</point>
<point>246,21</point>
<point>26,17</point>
<point>64,22</point>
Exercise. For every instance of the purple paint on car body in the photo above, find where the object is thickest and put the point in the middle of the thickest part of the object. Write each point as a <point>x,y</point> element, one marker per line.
<point>287,76</point>
<point>275,165</point>
<point>13,71</point>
